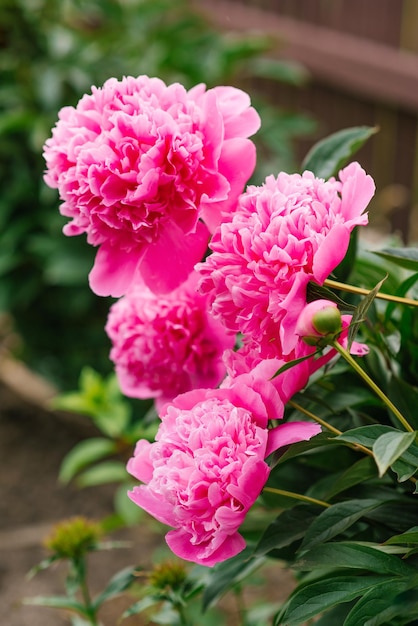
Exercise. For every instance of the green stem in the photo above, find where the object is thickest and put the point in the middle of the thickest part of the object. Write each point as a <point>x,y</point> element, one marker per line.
<point>351,361</point>
<point>314,417</point>
<point>296,496</point>
<point>180,610</point>
<point>364,292</point>
<point>332,429</point>
<point>90,610</point>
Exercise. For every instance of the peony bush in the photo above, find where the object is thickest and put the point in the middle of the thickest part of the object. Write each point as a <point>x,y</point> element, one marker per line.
<point>282,391</point>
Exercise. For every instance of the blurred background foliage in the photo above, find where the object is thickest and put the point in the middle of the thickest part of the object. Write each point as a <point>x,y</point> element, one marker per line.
<point>51,53</point>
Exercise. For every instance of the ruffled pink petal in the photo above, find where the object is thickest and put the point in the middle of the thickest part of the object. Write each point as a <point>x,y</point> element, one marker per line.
<point>140,465</point>
<point>292,432</point>
<point>358,190</point>
<point>236,164</point>
<point>331,252</point>
<point>179,542</point>
<point>168,262</point>
<point>153,504</point>
<point>240,119</point>
<point>113,271</point>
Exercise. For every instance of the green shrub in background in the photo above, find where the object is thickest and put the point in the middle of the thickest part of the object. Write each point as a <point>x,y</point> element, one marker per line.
<point>50,54</point>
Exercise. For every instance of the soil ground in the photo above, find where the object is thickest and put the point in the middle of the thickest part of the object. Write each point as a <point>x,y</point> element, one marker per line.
<point>33,442</point>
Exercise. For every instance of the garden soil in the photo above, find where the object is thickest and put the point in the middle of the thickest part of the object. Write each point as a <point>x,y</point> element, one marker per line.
<point>33,442</point>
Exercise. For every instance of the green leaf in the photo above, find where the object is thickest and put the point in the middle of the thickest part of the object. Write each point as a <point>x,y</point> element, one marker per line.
<point>362,470</point>
<point>405,397</point>
<point>329,155</point>
<point>296,449</point>
<point>403,257</point>
<point>403,470</point>
<point>84,453</point>
<point>106,472</point>
<point>57,602</point>
<point>141,605</point>
<point>411,536</point>
<point>318,292</point>
<point>290,364</point>
<point>228,573</point>
<point>312,599</point>
<point>365,435</point>
<point>130,513</point>
<point>361,311</point>
<point>389,447</point>
<point>289,72</point>
<point>44,564</point>
<point>118,583</point>
<point>378,606</point>
<point>335,520</point>
<point>288,527</point>
<point>346,554</point>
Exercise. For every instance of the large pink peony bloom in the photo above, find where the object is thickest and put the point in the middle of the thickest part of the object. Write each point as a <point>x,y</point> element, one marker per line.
<point>140,166</point>
<point>291,230</point>
<point>168,344</point>
<point>207,467</point>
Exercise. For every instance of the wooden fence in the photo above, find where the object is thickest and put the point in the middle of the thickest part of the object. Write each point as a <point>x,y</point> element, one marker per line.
<point>363,59</point>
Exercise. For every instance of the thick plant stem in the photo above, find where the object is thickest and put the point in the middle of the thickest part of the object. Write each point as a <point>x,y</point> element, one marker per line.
<point>297,496</point>
<point>364,292</point>
<point>356,367</point>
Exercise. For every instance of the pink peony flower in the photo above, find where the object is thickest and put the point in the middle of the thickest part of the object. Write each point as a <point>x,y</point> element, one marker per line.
<point>207,467</point>
<point>168,344</point>
<point>291,230</point>
<point>140,166</point>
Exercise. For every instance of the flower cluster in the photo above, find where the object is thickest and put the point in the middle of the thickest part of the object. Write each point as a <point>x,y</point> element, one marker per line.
<point>149,172</point>
<point>163,345</point>
<point>207,467</point>
<point>143,167</point>
<point>292,230</point>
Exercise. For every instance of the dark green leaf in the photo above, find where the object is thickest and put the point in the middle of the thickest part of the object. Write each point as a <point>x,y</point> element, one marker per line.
<point>329,155</point>
<point>288,527</point>
<point>318,292</point>
<point>361,312</point>
<point>403,257</point>
<point>389,447</point>
<point>227,574</point>
<point>84,453</point>
<point>377,606</point>
<point>335,520</point>
<point>405,397</point>
<point>345,554</point>
<point>402,292</point>
<point>362,470</point>
<point>312,599</point>
<point>296,449</point>
<point>411,536</point>
<point>290,364</point>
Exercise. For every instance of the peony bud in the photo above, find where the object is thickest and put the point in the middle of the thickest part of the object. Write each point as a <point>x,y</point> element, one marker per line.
<point>320,320</point>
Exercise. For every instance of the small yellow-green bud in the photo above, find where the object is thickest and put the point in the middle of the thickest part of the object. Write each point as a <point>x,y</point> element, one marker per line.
<point>73,537</point>
<point>168,575</point>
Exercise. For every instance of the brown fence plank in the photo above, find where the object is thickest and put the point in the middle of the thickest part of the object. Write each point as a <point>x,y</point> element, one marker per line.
<point>353,64</point>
